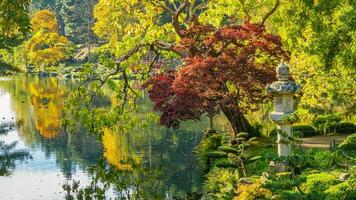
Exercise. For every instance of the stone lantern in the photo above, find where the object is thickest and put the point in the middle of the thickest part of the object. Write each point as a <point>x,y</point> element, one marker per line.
<point>283,92</point>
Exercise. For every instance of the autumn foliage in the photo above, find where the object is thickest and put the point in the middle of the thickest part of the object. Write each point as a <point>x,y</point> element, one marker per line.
<point>46,47</point>
<point>223,70</point>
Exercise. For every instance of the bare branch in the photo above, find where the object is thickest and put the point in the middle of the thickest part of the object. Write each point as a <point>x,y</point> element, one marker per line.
<point>165,7</point>
<point>155,59</point>
<point>276,4</point>
<point>168,47</point>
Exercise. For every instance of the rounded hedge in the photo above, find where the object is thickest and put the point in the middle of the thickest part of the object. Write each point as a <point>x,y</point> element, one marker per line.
<point>345,127</point>
<point>305,130</point>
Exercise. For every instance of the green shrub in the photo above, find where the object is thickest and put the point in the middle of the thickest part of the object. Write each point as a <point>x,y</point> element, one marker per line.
<point>326,123</point>
<point>345,190</point>
<point>262,165</point>
<point>224,163</point>
<point>229,149</point>
<point>283,182</point>
<point>323,159</point>
<point>305,130</point>
<point>273,133</point>
<point>210,143</point>
<point>216,154</point>
<point>319,182</point>
<point>318,159</point>
<point>349,143</point>
<point>316,184</point>
<point>253,191</point>
<point>221,183</point>
<point>345,128</point>
<point>207,149</point>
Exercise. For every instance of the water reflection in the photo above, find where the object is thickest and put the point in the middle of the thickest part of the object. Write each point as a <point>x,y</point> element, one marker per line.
<point>48,102</point>
<point>9,155</point>
<point>117,151</point>
<point>148,162</point>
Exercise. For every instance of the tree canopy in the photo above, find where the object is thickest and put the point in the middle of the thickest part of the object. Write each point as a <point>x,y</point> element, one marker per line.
<point>14,22</point>
<point>321,38</point>
<point>46,47</point>
<point>225,70</point>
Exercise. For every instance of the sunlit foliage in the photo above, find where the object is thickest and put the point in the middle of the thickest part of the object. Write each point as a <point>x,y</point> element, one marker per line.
<point>322,38</point>
<point>14,22</point>
<point>46,47</point>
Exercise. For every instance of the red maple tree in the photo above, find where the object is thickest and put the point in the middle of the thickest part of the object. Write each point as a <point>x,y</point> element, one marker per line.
<point>224,70</point>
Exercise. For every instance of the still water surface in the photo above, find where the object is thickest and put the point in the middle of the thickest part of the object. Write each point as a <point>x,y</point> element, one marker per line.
<point>150,163</point>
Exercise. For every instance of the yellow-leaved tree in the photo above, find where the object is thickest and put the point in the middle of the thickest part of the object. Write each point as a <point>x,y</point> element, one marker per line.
<point>46,48</point>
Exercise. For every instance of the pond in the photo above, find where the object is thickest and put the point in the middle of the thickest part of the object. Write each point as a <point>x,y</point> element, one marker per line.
<point>43,160</point>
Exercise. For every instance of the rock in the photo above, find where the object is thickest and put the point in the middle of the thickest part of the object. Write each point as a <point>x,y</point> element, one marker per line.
<point>246,181</point>
<point>344,177</point>
<point>264,176</point>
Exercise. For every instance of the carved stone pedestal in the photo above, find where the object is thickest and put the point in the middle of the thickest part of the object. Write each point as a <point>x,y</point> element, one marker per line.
<point>283,91</point>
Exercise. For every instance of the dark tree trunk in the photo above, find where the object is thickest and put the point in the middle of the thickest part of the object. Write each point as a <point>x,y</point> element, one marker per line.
<point>239,123</point>
<point>61,25</point>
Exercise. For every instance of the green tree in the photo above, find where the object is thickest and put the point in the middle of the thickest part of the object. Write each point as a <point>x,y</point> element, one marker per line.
<point>322,38</point>
<point>141,35</point>
<point>14,22</point>
<point>78,19</point>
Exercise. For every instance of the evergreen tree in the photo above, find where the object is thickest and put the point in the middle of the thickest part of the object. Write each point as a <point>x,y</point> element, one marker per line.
<point>78,19</point>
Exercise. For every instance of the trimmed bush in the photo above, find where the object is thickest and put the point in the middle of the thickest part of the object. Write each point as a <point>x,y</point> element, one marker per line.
<point>349,143</point>
<point>305,130</point>
<point>326,123</point>
<point>345,127</point>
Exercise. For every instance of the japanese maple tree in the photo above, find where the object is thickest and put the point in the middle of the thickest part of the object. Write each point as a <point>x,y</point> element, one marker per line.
<point>224,70</point>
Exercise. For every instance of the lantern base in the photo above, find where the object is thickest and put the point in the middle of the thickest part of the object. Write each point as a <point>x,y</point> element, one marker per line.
<point>278,167</point>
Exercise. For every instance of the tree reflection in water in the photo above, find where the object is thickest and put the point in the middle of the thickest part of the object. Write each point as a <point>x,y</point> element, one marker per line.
<point>9,156</point>
<point>125,173</point>
<point>47,100</point>
<point>145,162</point>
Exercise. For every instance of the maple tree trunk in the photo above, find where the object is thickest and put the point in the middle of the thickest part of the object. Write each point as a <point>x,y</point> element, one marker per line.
<point>239,123</point>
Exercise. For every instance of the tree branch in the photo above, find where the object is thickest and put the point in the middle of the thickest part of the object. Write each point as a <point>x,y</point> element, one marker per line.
<point>168,47</point>
<point>165,7</point>
<point>276,4</point>
<point>174,12</point>
<point>175,20</point>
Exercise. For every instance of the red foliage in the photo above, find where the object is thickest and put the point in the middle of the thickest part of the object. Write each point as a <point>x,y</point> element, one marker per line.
<point>224,70</point>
